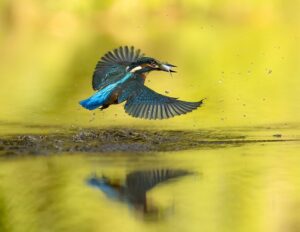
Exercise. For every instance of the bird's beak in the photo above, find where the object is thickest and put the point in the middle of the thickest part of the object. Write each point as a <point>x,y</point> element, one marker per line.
<point>167,67</point>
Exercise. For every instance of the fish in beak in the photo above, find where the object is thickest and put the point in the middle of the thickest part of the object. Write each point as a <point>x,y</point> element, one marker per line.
<point>167,67</point>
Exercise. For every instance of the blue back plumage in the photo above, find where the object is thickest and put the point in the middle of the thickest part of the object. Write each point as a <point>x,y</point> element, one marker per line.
<point>100,97</point>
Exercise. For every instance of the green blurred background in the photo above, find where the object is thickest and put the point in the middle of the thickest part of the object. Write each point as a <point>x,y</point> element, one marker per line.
<point>243,56</point>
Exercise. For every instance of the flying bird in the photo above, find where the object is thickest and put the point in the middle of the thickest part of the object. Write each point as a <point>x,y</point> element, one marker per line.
<point>120,76</point>
<point>134,190</point>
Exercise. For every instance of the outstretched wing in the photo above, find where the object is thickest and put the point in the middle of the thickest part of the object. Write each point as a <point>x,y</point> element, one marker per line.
<point>146,103</point>
<point>112,66</point>
<point>140,182</point>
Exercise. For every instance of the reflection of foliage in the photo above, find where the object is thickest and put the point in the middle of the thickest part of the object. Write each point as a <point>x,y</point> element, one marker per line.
<point>3,213</point>
<point>242,188</point>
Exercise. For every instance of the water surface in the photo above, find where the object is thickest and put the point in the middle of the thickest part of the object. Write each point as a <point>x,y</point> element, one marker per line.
<point>244,186</point>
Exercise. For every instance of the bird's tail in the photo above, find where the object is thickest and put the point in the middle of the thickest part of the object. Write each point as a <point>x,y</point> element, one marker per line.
<point>88,105</point>
<point>93,102</point>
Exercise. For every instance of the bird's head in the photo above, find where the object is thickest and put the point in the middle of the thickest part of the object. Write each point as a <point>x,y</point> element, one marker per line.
<point>148,64</point>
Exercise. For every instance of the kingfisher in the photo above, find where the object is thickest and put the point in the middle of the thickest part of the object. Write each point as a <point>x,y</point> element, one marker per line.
<point>120,76</point>
<point>133,190</point>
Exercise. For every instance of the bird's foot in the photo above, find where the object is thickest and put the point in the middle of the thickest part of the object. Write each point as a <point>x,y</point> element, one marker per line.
<point>103,107</point>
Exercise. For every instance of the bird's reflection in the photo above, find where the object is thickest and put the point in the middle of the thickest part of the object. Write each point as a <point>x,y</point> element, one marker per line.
<point>134,190</point>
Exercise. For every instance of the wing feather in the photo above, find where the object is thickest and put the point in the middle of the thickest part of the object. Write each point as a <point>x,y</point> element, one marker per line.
<point>142,181</point>
<point>112,66</point>
<point>146,103</point>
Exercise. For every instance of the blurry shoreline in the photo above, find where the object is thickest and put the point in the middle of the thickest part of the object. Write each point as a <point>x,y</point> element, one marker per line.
<point>58,140</point>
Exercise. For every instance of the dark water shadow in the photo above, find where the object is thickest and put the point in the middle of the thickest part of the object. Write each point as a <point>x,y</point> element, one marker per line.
<point>104,141</point>
<point>132,191</point>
